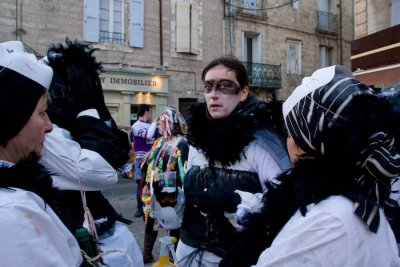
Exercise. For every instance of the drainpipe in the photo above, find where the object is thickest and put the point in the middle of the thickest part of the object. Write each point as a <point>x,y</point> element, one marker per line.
<point>340,32</point>
<point>16,19</point>
<point>231,28</point>
<point>161,36</point>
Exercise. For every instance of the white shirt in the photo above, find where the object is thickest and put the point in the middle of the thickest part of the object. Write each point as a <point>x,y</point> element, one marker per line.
<point>331,235</point>
<point>257,160</point>
<point>32,234</point>
<point>62,155</point>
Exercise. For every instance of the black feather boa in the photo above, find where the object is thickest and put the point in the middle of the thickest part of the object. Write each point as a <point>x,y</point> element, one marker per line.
<point>224,139</point>
<point>30,176</point>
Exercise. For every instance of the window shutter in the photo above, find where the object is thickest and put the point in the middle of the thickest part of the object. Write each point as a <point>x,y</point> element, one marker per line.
<point>293,58</point>
<point>136,31</point>
<point>91,10</point>
<point>183,27</point>
<point>194,30</point>
<point>395,13</point>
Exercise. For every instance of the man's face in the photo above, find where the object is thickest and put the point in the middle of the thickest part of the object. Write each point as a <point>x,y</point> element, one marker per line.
<point>149,115</point>
<point>221,102</point>
<point>31,137</point>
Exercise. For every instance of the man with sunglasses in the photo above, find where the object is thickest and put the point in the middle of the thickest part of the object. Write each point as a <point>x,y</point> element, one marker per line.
<point>233,147</point>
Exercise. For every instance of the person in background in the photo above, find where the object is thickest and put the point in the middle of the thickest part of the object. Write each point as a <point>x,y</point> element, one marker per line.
<point>31,232</point>
<point>329,209</point>
<point>167,156</point>
<point>83,151</point>
<point>142,137</point>
<point>232,146</point>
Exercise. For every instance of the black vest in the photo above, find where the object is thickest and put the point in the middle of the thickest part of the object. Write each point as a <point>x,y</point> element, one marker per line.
<point>213,232</point>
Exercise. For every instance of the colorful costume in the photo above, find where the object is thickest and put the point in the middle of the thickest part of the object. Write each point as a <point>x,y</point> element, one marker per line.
<point>167,157</point>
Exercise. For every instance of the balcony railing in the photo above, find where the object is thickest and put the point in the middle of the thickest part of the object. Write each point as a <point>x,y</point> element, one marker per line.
<point>264,75</point>
<point>327,22</point>
<point>112,37</point>
<point>240,8</point>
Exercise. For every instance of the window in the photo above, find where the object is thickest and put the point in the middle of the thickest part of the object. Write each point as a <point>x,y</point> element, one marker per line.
<point>187,28</point>
<point>325,56</point>
<point>251,44</point>
<point>293,57</point>
<point>103,21</point>
<point>111,21</point>
<point>295,3</point>
<point>251,53</point>
<point>249,6</point>
<point>323,19</point>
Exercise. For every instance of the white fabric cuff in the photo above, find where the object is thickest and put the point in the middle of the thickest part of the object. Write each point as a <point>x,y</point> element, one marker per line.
<point>251,203</point>
<point>151,131</point>
<point>89,112</point>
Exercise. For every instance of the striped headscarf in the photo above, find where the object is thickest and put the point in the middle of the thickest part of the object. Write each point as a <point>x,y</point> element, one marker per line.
<point>325,99</point>
<point>171,122</point>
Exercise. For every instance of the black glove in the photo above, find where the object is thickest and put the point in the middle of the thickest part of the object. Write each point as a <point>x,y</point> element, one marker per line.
<point>214,200</point>
<point>81,88</point>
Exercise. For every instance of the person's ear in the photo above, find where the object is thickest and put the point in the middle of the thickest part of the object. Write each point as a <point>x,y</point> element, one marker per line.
<point>245,93</point>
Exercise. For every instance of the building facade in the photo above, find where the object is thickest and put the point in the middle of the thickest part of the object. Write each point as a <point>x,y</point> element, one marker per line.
<point>281,41</point>
<point>153,51</point>
<point>375,52</point>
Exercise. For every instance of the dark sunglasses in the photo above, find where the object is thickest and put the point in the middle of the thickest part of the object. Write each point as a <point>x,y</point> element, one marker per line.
<point>223,86</point>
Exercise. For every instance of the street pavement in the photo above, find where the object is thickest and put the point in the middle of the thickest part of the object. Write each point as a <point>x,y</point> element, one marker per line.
<point>122,197</point>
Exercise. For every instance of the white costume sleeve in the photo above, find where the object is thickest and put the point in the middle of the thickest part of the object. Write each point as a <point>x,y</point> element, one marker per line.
<point>32,235</point>
<point>68,161</point>
<point>190,159</point>
<point>151,131</point>
<point>303,241</point>
<point>331,235</point>
<point>263,163</point>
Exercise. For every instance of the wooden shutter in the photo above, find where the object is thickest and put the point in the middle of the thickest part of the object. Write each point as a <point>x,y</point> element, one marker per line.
<point>91,11</point>
<point>136,31</point>
<point>194,30</point>
<point>182,27</point>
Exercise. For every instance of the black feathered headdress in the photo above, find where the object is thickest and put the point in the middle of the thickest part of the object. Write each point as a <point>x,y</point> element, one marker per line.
<point>76,82</point>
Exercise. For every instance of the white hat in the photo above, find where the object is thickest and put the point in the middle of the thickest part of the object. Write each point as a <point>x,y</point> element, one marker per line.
<point>23,80</point>
<point>14,57</point>
<point>319,78</point>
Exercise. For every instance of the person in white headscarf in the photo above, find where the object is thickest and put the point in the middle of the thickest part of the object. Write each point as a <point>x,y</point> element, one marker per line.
<point>328,210</point>
<point>31,232</point>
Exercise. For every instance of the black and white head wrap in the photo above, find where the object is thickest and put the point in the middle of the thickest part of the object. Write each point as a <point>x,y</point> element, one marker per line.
<point>325,98</point>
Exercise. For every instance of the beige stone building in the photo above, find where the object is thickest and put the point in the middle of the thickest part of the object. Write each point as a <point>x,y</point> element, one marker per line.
<point>375,54</point>
<point>297,36</point>
<point>153,51</point>
<point>373,16</point>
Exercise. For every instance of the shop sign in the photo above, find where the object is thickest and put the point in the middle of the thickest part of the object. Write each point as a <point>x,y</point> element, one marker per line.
<point>135,83</point>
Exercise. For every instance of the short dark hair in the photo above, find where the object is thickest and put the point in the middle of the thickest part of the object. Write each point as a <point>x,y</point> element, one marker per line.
<point>232,64</point>
<point>142,109</point>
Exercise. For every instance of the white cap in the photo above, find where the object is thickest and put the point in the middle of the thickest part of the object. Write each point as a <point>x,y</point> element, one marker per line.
<point>318,79</point>
<point>14,57</point>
